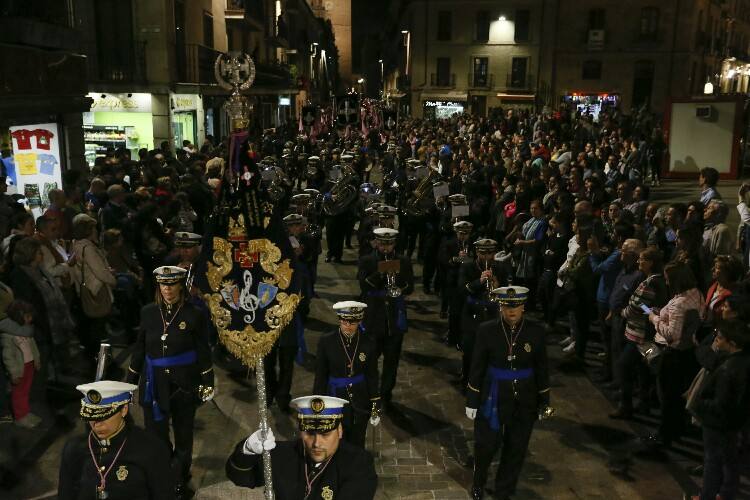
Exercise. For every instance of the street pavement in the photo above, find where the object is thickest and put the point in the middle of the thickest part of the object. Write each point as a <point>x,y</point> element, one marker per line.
<point>423,448</point>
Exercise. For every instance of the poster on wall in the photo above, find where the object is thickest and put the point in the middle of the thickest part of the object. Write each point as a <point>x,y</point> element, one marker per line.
<point>36,163</point>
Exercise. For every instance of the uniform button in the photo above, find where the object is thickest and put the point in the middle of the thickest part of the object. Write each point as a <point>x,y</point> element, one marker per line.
<point>102,468</point>
<point>166,370</point>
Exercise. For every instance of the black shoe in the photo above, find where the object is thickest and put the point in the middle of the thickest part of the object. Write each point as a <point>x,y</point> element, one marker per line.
<point>621,413</point>
<point>443,315</point>
<point>477,493</point>
<point>427,291</point>
<point>337,261</point>
<point>349,246</point>
<point>656,441</point>
<point>329,258</point>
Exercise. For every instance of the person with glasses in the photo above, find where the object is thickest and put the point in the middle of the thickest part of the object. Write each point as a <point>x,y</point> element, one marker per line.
<point>347,368</point>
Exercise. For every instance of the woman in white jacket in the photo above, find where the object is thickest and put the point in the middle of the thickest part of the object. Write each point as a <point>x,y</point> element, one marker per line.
<point>92,271</point>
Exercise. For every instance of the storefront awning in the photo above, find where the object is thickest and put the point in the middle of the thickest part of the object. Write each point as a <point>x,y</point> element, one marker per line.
<point>445,96</point>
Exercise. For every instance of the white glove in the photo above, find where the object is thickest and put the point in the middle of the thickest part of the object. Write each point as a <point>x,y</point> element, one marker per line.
<point>254,444</point>
<point>471,413</point>
<point>374,421</point>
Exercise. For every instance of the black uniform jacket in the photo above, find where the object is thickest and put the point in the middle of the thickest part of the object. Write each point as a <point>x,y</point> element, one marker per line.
<point>525,395</point>
<point>140,472</point>
<point>478,306</point>
<point>448,259</point>
<point>332,361</point>
<point>187,332</point>
<point>350,475</point>
<point>381,315</point>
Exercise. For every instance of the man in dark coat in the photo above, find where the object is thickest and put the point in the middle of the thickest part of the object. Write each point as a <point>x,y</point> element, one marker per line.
<point>508,388</point>
<point>317,465</point>
<point>116,459</point>
<point>347,367</point>
<point>453,252</point>
<point>385,279</point>
<point>476,279</point>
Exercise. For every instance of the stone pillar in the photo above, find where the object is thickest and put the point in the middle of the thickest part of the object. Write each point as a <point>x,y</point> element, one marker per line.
<point>160,111</point>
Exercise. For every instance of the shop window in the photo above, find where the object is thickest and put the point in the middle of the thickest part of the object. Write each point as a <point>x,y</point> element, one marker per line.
<point>443,71</point>
<point>482,26</point>
<point>597,18</point>
<point>445,25</point>
<point>592,70</point>
<point>649,23</point>
<point>522,24</point>
<point>208,29</point>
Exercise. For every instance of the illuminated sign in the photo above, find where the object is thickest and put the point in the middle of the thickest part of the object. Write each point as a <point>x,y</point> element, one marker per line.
<point>444,104</point>
<point>127,103</point>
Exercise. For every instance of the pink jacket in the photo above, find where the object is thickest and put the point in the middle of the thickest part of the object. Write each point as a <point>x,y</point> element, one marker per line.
<point>679,320</point>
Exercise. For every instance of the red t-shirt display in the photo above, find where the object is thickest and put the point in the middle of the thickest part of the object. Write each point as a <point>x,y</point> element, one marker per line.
<point>23,138</point>
<point>43,138</point>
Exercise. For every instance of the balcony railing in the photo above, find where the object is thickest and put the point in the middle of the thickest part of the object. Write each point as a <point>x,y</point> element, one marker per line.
<point>479,81</point>
<point>447,81</point>
<point>519,82</point>
<point>197,65</point>
<point>273,75</point>
<point>125,67</point>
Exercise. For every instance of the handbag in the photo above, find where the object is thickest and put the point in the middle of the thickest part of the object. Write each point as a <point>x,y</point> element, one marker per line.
<point>94,305</point>
<point>652,353</point>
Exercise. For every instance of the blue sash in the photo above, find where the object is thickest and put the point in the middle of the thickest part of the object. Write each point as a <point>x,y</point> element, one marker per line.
<point>400,304</point>
<point>490,407</point>
<point>186,358</point>
<point>299,330</point>
<point>337,383</point>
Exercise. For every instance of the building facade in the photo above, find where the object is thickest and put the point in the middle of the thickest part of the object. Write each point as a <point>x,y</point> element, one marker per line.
<point>339,13</point>
<point>473,55</point>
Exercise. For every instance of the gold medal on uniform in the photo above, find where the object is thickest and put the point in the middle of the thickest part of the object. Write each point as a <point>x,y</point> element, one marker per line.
<point>122,473</point>
<point>182,325</point>
<point>327,493</point>
<point>527,347</point>
<point>362,357</point>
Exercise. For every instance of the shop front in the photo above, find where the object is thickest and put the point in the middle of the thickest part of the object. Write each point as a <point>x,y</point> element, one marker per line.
<point>188,119</point>
<point>118,121</point>
<point>443,105</point>
<point>591,104</point>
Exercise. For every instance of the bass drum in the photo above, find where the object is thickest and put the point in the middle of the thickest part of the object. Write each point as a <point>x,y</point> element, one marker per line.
<point>340,199</point>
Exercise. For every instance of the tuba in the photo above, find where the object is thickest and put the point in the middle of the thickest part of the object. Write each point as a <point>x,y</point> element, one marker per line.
<point>422,197</point>
<point>342,194</point>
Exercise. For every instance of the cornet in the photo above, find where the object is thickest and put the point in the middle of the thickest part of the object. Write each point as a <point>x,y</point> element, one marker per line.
<point>392,289</point>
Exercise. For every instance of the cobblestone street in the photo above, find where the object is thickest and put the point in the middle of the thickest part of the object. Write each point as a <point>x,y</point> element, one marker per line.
<point>422,449</point>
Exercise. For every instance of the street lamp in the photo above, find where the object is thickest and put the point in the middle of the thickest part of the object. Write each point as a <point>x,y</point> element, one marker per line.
<point>407,44</point>
<point>382,79</point>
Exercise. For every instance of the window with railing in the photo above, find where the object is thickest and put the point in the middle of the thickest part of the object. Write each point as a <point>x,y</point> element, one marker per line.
<point>522,25</point>
<point>444,25</point>
<point>518,72</point>
<point>482,26</point>
<point>591,70</point>
<point>649,26</point>
<point>481,70</point>
<point>443,67</point>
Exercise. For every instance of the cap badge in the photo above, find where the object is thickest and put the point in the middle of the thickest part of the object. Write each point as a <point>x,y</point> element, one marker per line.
<point>94,397</point>
<point>317,405</point>
<point>511,293</point>
<point>122,473</point>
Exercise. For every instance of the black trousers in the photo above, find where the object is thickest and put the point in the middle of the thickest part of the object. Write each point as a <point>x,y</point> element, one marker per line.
<point>546,295</point>
<point>182,416</point>
<point>335,231</point>
<point>454,303</point>
<point>675,373</point>
<point>389,346</point>
<point>631,368</point>
<point>280,386</point>
<point>513,440</point>
<point>355,426</point>
<point>429,269</point>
